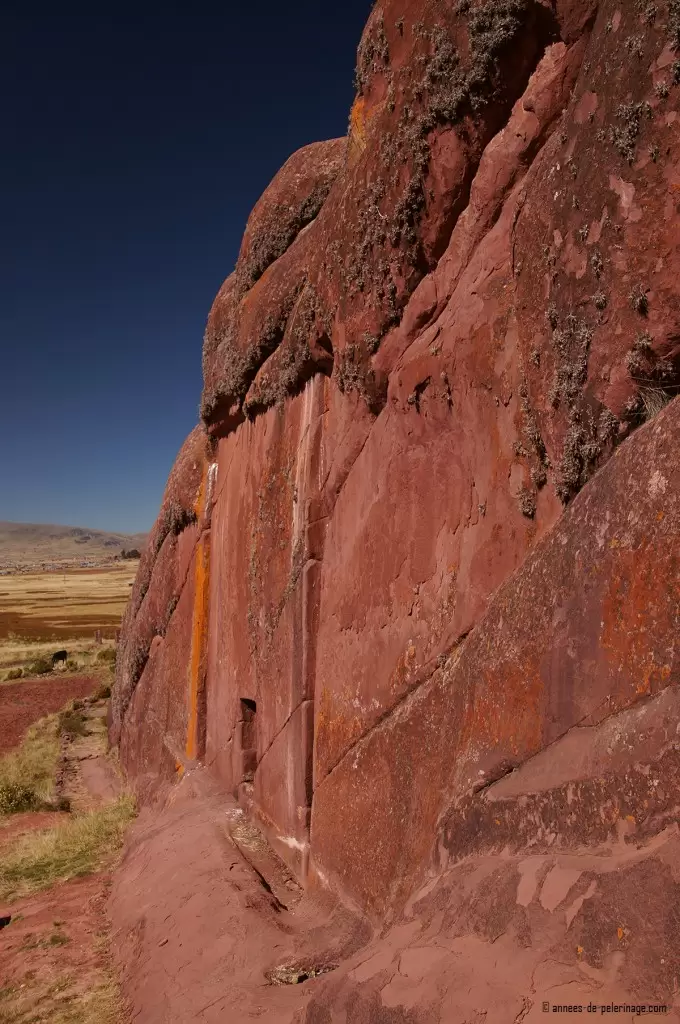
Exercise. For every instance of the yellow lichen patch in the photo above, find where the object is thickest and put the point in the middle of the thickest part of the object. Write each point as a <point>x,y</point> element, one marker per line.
<point>198,644</point>
<point>401,674</point>
<point>323,712</point>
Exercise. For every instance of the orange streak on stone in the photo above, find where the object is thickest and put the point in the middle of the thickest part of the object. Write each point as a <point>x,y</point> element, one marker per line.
<point>198,632</point>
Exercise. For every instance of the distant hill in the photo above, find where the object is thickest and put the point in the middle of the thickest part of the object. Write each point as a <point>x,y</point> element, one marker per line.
<point>40,542</point>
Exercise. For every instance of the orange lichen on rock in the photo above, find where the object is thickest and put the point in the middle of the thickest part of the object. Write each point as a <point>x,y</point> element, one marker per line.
<point>195,745</point>
<point>357,129</point>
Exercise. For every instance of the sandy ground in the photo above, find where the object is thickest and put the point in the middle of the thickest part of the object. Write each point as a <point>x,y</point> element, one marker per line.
<point>198,924</point>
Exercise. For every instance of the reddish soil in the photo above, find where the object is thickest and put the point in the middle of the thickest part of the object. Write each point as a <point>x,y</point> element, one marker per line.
<point>88,777</point>
<point>19,824</point>
<point>53,948</point>
<point>23,703</point>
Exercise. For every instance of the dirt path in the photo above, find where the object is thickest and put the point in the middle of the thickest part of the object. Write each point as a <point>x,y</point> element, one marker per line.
<point>54,952</point>
<point>24,702</point>
<point>88,777</point>
<point>21,824</point>
<point>207,925</point>
<point>205,931</point>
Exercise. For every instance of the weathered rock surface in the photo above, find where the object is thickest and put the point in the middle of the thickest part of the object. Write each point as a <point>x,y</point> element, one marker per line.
<point>413,595</point>
<point>200,937</point>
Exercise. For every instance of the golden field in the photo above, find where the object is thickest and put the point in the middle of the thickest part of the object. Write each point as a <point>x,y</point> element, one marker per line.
<point>62,605</point>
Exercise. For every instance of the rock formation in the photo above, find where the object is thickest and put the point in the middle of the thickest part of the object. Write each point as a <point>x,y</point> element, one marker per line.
<point>413,594</point>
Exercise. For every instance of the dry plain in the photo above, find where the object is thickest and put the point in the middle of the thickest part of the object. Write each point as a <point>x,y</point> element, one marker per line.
<point>68,604</point>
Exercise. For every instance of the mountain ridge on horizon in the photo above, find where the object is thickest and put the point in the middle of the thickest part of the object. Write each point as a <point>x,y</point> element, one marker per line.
<point>21,542</point>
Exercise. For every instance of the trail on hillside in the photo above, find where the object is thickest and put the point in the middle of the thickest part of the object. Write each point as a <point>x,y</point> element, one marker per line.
<point>54,950</point>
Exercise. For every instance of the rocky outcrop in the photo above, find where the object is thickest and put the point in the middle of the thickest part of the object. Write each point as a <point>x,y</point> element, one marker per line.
<point>412,597</point>
<point>584,630</point>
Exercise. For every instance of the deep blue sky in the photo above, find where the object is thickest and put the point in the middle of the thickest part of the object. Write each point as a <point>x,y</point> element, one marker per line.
<point>132,150</point>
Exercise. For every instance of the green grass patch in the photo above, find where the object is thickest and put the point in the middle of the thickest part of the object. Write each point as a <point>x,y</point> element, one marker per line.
<point>77,847</point>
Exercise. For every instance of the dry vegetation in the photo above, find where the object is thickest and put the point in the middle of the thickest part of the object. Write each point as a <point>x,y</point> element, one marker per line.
<point>98,1006</point>
<point>60,827</point>
<point>27,774</point>
<point>64,605</point>
<point>75,847</point>
<point>23,659</point>
<point>53,880</point>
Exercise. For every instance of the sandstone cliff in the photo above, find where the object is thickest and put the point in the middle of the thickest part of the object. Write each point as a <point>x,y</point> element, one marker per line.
<point>413,594</point>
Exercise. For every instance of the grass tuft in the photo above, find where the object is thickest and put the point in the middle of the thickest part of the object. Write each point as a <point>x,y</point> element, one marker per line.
<point>40,667</point>
<point>72,722</point>
<point>77,847</point>
<point>67,1005</point>
<point>27,774</point>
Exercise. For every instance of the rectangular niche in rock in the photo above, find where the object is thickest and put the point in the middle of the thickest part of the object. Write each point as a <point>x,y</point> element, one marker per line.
<point>248,730</point>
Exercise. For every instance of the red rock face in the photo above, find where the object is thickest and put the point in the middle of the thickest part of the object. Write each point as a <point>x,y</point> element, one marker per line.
<point>163,571</point>
<point>583,630</point>
<point>435,528</point>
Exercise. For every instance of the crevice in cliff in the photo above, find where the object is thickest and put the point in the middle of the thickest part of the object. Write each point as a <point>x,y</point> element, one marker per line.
<point>305,350</point>
<point>141,652</point>
<point>495,775</point>
<point>222,409</point>
<point>422,679</point>
<point>457,89</point>
<point>276,238</point>
<point>301,703</point>
<point>477,220</point>
<point>345,475</point>
<point>591,785</point>
<point>628,721</point>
